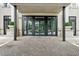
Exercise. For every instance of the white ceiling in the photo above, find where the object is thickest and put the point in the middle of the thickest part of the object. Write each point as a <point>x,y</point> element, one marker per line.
<point>40,7</point>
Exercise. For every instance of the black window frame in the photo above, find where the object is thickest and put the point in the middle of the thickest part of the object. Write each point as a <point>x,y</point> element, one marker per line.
<point>37,16</point>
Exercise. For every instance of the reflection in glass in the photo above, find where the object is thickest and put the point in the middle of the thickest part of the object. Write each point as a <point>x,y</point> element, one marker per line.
<point>36,25</point>
<point>41,27</point>
<point>51,25</point>
<point>29,27</point>
<point>24,18</point>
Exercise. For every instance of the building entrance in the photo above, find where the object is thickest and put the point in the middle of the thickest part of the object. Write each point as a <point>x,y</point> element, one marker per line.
<point>39,25</point>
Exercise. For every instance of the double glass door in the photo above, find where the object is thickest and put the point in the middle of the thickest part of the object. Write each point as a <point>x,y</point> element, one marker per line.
<point>39,25</point>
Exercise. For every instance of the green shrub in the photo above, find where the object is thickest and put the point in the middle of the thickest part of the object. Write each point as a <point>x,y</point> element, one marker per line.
<point>11,23</point>
<point>68,24</point>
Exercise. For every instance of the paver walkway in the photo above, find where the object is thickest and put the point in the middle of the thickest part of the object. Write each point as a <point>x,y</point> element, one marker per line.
<point>6,38</point>
<point>39,46</point>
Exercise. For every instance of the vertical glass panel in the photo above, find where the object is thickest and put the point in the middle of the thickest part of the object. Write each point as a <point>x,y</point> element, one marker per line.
<point>24,22</point>
<point>51,25</point>
<point>41,27</point>
<point>72,21</point>
<point>36,27</point>
<point>29,27</point>
<point>7,20</point>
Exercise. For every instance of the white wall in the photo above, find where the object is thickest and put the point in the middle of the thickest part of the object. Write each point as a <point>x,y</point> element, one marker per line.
<point>3,12</point>
<point>73,12</point>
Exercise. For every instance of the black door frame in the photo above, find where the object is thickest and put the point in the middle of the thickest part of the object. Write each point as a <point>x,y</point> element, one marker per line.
<point>4,25</point>
<point>46,21</point>
<point>74,24</point>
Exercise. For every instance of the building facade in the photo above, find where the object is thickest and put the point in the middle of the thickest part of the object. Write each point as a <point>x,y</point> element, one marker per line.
<point>40,19</point>
<point>5,15</point>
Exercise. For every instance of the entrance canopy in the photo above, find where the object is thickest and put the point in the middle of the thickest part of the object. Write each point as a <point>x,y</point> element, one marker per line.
<point>40,7</point>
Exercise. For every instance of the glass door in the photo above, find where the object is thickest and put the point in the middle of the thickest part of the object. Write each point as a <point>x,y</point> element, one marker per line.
<point>29,26</point>
<point>36,27</point>
<point>52,25</point>
<point>39,26</point>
